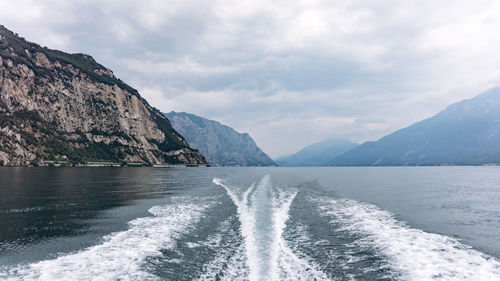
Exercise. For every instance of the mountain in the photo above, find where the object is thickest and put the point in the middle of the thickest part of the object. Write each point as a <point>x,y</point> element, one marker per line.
<point>220,144</point>
<point>465,133</point>
<point>59,106</point>
<point>317,154</point>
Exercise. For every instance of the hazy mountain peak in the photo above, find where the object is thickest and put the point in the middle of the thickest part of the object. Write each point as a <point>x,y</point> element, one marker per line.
<point>465,133</point>
<point>318,154</point>
<point>220,144</point>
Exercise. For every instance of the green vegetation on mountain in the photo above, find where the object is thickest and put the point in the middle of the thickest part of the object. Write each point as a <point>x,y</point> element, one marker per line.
<point>55,105</point>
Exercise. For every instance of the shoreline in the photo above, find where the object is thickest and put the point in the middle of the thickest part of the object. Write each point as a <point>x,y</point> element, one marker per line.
<point>126,165</point>
<point>102,164</point>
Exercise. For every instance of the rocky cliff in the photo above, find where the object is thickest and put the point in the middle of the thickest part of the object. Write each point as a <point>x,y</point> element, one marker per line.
<point>221,145</point>
<point>59,106</point>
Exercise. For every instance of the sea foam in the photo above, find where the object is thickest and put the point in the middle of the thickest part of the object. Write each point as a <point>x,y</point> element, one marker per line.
<point>415,254</point>
<point>121,255</point>
<point>263,211</point>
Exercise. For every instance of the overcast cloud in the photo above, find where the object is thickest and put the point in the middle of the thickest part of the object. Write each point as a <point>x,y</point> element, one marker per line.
<point>290,73</point>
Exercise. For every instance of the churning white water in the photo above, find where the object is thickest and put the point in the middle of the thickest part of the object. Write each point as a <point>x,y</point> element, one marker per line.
<point>264,231</point>
<point>415,254</point>
<point>122,254</point>
<point>263,211</point>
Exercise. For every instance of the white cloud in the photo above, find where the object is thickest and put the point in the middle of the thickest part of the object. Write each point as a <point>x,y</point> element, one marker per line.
<point>180,66</point>
<point>288,72</point>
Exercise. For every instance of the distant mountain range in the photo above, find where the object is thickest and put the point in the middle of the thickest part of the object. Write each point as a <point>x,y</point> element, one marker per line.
<point>465,133</point>
<point>318,154</point>
<point>56,106</point>
<point>64,107</point>
<point>221,145</point>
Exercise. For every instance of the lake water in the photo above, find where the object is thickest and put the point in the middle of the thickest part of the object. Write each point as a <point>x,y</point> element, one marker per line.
<point>377,223</point>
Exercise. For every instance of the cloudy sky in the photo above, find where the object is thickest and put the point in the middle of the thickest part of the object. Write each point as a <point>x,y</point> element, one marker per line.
<point>290,73</point>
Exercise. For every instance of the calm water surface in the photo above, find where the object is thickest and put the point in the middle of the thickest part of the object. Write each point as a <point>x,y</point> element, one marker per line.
<point>378,223</point>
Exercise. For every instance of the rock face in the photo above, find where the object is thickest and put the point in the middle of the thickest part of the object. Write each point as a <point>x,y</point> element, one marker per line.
<point>59,106</point>
<point>317,154</point>
<point>221,145</point>
<point>465,133</point>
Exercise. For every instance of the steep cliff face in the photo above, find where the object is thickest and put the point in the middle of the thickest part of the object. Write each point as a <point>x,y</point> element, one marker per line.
<point>58,106</point>
<point>221,145</point>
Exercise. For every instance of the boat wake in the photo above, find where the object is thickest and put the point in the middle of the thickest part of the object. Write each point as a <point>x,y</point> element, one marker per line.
<point>263,212</point>
<point>122,254</point>
<point>415,254</point>
<point>258,233</point>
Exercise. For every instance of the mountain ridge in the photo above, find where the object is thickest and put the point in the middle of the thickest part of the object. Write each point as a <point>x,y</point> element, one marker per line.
<point>317,154</point>
<point>219,143</point>
<point>465,133</point>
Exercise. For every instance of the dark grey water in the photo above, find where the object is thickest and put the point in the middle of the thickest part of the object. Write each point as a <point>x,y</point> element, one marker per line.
<point>391,223</point>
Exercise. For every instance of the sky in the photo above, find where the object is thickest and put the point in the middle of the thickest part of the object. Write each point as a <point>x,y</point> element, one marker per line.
<point>289,73</point>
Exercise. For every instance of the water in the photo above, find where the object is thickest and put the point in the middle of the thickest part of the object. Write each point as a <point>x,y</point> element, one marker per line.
<point>392,223</point>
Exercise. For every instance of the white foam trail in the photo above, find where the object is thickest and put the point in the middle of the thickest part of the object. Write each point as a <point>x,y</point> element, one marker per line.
<point>121,255</point>
<point>416,254</point>
<point>263,213</point>
<point>229,263</point>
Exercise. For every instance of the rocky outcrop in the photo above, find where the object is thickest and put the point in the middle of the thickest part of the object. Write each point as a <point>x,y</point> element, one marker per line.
<point>221,145</point>
<point>59,106</point>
